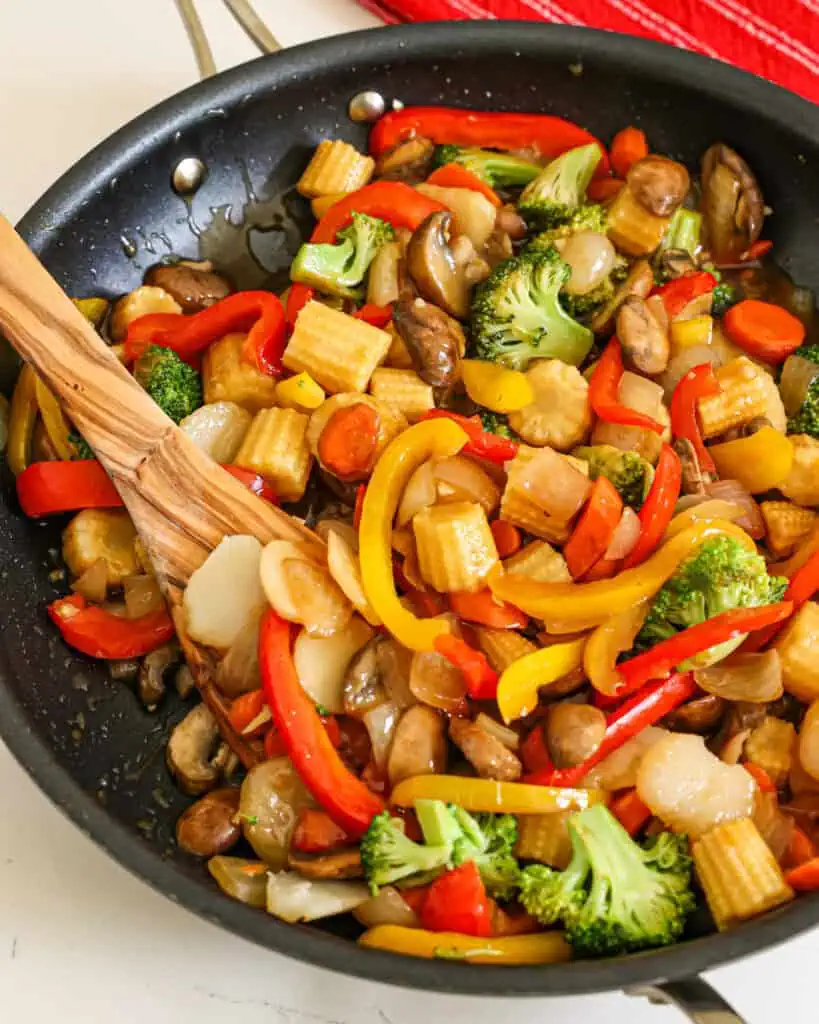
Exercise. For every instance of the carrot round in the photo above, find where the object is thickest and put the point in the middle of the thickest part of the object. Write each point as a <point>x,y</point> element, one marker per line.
<point>627,147</point>
<point>507,538</point>
<point>804,877</point>
<point>347,445</point>
<point>764,330</point>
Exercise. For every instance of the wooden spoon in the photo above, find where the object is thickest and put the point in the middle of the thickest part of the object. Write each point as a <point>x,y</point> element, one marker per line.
<point>182,503</point>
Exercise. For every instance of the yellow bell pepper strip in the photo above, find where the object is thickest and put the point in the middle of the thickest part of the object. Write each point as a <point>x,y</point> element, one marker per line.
<point>495,387</point>
<point>55,423</point>
<point>688,333</point>
<point>759,462</point>
<point>494,797</point>
<point>713,508</point>
<point>429,439</point>
<point>94,310</point>
<point>581,605</point>
<point>299,392</point>
<point>22,418</point>
<point>683,522</point>
<point>509,950</point>
<point>607,642</point>
<point>520,682</point>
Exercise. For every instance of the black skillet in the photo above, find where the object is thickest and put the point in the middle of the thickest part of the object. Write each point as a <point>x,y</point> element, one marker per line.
<point>85,739</point>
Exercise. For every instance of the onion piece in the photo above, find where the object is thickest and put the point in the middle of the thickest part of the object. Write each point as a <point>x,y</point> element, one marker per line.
<point>93,583</point>
<point>302,591</point>
<point>640,393</point>
<point>798,374</point>
<point>753,678</point>
<point>626,534</point>
<point>388,907</point>
<point>142,595</point>
<point>347,532</point>
<point>241,879</point>
<point>732,491</point>
<point>700,306</point>
<point>225,592</point>
<point>293,898</point>
<point>345,568</point>
<point>218,429</point>
<point>321,662</point>
<point>681,363</point>
<point>554,484</point>
<point>436,682</point>
<point>263,717</point>
<point>775,827</point>
<point>381,723</point>
<point>420,492</point>
<point>238,671</point>
<point>508,737</point>
<point>619,769</point>
<point>460,479</point>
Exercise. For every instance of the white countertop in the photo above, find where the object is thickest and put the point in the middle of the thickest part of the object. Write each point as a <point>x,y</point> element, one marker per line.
<point>80,939</point>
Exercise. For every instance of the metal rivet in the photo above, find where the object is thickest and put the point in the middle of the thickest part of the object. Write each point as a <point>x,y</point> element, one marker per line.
<point>188,175</point>
<point>367,106</point>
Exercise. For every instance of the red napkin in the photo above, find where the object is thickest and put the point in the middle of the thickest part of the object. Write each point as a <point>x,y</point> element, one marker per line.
<point>777,39</point>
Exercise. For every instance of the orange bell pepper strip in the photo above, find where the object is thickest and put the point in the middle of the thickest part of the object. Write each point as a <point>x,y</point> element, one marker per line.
<point>800,849</point>
<point>760,777</point>
<point>245,708</point>
<point>595,528</point>
<point>507,538</point>
<point>99,634</point>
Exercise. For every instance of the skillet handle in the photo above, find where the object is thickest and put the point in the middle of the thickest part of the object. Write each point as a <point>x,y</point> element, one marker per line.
<point>701,1003</point>
<point>244,13</point>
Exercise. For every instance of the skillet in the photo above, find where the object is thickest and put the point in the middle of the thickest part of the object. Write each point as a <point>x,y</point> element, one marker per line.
<point>85,739</point>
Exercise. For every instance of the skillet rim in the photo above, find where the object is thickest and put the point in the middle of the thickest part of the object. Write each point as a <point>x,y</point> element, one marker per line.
<point>41,225</point>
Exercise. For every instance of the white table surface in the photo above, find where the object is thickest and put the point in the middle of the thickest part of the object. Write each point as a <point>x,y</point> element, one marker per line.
<point>81,939</point>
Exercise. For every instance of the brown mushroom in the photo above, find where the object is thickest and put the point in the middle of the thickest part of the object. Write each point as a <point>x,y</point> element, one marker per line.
<point>433,267</point>
<point>677,262</point>
<point>658,184</point>
<point>510,222</point>
<point>378,673</point>
<point>435,342</point>
<point>419,745</point>
<point>644,340</point>
<point>573,733</point>
<point>485,752</point>
<point>184,682</point>
<point>474,267</point>
<point>694,480</point>
<point>208,828</point>
<point>195,755</point>
<point>335,864</point>
<point>409,160</point>
<point>151,682</point>
<point>701,715</point>
<point>732,203</point>
<point>195,286</point>
<point>639,282</point>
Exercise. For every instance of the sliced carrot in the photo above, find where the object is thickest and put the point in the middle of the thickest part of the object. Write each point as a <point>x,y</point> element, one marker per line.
<point>348,444</point>
<point>630,811</point>
<point>245,708</point>
<point>316,832</point>
<point>604,189</point>
<point>760,776</point>
<point>592,535</point>
<point>800,849</point>
<point>627,147</point>
<point>455,176</point>
<point>764,330</point>
<point>507,538</point>
<point>603,569</point>
<point>483,609</point>
<point>805,877</point>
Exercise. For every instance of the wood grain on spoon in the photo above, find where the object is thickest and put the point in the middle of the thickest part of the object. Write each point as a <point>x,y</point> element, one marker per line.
<point>181,501</point>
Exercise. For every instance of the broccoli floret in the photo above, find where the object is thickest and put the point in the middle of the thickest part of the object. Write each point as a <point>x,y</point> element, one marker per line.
<point>630,473</point>
<point>496,423</point>
<point>516,314</point>
<point>339,269</point>
<point>583,307</point>
<point>174,386</point>
<point>722,575</point>
<point>388,855</point>
<point>615,896</point>
<point>724,296</point>
<point>806,420</point>
<point>559,191</point>
<point>683,233</point>
<point>591,217</point>
<point>489,840</point>
<point>82,449</point>
<point>500,170</point>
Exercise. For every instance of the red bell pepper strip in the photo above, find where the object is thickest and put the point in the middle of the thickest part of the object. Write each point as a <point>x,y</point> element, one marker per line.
<point>548,136</point>
<point>259,313</point>
<point>482,608</point>
<point>298,296</point>
<point>667,654</point>
<point>392,201</point>
<point>592,535</point>
<point>698,383</point>
<point>603,392</point>
<point>245,708</point>
<point>678,293</point>
<point>760,777</point>
<point>253,482</point>
<point>482,444</point>
<point>455,176</point>
<point>803,585</point>
<point>480,678</point>
<point>533,752</point>
<point>378,316</point>
<point>99,634</point>
<point>457,902</point>
<point>761,247</point>
<point>345,798</point>
<point>805,877</point>
<point>274,745</point>
<point>644,708</point>
<point>630,811</point>
<point>45,488</point>
<point>316,832</point>
<point>658,508</point>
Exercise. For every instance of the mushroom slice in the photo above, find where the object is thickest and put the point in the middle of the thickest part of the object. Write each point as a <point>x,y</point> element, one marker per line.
<point>658,184</point>
<point>433,267</point>
<point>639,282</point>
<point>409,160</point>
<point>152,671</point>
<point>335,864</point>
<point>644,340</point>
<point>485,752</point>
<point>194,754</point>
<point>193,285</point>
<point>732,203</point>
<point>435,342</point>
<point>418,746</point>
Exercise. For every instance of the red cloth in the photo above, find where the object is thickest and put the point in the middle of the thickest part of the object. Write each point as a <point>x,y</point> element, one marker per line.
<point>777,39</point>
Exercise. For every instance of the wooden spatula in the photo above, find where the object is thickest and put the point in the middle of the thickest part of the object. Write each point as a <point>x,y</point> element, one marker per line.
<point>182,503</point>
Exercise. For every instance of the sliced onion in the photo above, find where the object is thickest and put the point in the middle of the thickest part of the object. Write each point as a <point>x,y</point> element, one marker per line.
<point>753,678</point>
<point>243,880</point>
<point>460,479</point>
<point>238,671</point>
<point>302,591</point>
<point>436,682</point>
<point>419,493</point>
<point>142,595</point>
<point>345,568</point>
<point>798,374</point>
<point>381,723</point>
<point>508,737</point>
<point>640,393</point>
<point>263,717</point>
<point>218,429</point>
<point>412,570</point>
<point>681,363</point>
<point>347,532</point>
<point>321,662</point>
<point>554,484</point>
<point>403,540</point>
<point>700,306</point>
<point>93,584</point>
<point>292,897</point>
<point>224,592</point>
<point>626,534</point>
<point>619,769</point>
<point>732,491</point>
<point>775,827</point>
<point>388,907</point>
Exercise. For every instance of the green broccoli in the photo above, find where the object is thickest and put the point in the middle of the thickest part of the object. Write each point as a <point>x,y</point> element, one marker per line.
<point>516,313</point>
<point>82,449</point>
<point>724,296</point>
<point>722,575</point>
<point>388,855</point>
<point>630,473</point>
<point>683,233</point>
<point>615,896</point>
<point>806,420</point>
<point>591,217</point>
<point>489,840</point>
<point>174,386</point>
<point>500,170</point>
<point>496,423</point>
<point>339,269</point>
<point>559,191</point>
